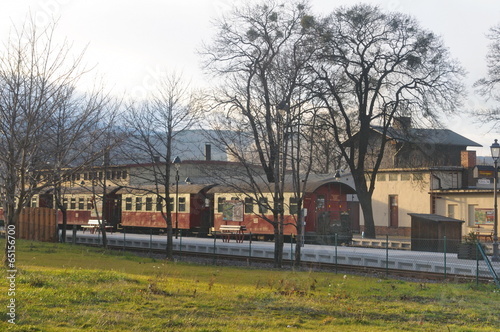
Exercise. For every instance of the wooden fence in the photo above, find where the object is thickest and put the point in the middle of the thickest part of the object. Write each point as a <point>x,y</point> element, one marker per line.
<point>38,224</point>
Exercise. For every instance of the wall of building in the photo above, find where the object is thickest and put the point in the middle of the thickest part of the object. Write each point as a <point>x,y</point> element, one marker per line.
<point>475,207</point>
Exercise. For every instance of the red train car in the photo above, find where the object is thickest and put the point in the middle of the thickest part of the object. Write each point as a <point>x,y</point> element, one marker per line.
<point>326,204</point>
<point>189,205</point>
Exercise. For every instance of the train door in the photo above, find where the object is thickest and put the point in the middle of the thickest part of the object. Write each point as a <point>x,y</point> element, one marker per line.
<point>113,210</point>
<point>207,214</point>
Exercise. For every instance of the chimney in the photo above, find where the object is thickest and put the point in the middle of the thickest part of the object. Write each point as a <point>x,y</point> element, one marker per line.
<point>468,159</point>
<point>208,152</point>
<point>402,122</point>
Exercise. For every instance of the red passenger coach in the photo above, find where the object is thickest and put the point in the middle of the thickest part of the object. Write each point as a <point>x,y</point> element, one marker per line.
<point>190,211</point>
<point>326,204</point>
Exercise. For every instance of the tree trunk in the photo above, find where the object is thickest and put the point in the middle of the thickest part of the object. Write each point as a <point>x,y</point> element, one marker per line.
<point>365,201</point>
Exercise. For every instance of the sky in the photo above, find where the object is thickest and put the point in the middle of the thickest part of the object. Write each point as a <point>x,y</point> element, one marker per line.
<point>130,43</point>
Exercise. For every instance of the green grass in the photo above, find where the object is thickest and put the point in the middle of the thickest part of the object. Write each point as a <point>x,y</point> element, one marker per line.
<point>70,288</point>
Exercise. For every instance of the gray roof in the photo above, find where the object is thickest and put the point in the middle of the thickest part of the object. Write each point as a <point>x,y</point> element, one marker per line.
<point>427,136</point>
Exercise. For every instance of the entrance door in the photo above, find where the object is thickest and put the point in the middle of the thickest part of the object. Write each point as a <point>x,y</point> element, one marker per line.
<point>393,211</point>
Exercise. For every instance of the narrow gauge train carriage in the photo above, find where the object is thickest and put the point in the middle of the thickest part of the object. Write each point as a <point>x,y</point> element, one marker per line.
<point>81,205</point>
<point>191,215</point>
<point>331,208</point>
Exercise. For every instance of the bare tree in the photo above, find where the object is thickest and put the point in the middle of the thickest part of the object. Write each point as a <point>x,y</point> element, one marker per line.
<point>260,53</point>
<point>152,126</point>
<point>76,127</point>
<point>35,74</point>
<point>488,86</point>
<point>375,66</point>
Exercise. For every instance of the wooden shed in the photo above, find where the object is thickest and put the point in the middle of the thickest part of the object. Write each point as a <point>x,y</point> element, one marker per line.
<point>428,233</point>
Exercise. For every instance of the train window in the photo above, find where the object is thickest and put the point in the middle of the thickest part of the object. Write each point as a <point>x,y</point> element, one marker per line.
<point>220,204</point>
<point>124,174</point>
<point>293,205</point>
<point>263,205</point>
<point>182,204</point>
<point>159,205</point>
<point>138,203</point>
<point>81,203</point>
<point>248,205</point>
<point>171,203</point>
<point>73,204</point>
<point>128,203</point>
<point>149,203</point>
<point>320,202</point>
<point>65,203</point>
<point>89,203</point>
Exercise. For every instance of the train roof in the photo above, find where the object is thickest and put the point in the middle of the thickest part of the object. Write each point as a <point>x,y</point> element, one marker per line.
<point>311,186</point>
<point>182,189</point>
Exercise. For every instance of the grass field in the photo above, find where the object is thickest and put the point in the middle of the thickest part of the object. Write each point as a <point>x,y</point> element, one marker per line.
<point>71,288</point>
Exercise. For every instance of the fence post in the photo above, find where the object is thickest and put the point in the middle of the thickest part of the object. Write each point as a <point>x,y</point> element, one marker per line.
<point>250,249</point>
<point>386,255</point>
<point>150,241</point>
<point>336,243</point>
<point>73,240</point>
<point>215,238</point>
<point>180,243</point>
<point>444,248</point>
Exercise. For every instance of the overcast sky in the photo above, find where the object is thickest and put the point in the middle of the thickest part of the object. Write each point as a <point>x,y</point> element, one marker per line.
<point>132,42</point>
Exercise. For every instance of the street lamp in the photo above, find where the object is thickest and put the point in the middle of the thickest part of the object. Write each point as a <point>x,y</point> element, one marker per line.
<point>495,154</point>
<point>177,164</point>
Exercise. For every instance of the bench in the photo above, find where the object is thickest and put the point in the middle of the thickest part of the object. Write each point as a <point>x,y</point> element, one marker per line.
<point>484,233</point>
<point>94,225</point>
<point>229,230</point>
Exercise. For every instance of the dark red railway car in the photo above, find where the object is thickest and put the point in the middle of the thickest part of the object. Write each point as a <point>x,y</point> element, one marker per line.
<point>190,209</point>
<point>326,204</point>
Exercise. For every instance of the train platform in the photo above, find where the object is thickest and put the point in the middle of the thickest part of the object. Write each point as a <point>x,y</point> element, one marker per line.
<point>392,257</point>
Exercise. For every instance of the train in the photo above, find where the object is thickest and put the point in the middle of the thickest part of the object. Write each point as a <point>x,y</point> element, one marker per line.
<point>329,207</point>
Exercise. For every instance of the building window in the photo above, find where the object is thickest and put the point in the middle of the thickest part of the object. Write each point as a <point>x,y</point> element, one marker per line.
<point>393,177</point>
<point>149,203</point>
<point>248,205</point>
<point>263,205</point>
<point>417,177</point>
<point>182,204</point>
<point>128,204</point>
<point>472,215</point>
<point>81,203</point>
<point>138,203</point>
<point>293,205</point>
<point>380,177</point>
<point>220,204</point>
<point>33,202</point>
<point>452,210</point>
<point>405,177</point>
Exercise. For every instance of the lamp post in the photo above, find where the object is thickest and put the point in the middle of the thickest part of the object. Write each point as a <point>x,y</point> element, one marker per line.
<point>177,164</point>
<point>495,154</point>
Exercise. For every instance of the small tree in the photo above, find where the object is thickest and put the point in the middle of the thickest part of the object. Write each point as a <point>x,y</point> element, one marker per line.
<point>35,80</point>
<point>152,126</point>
